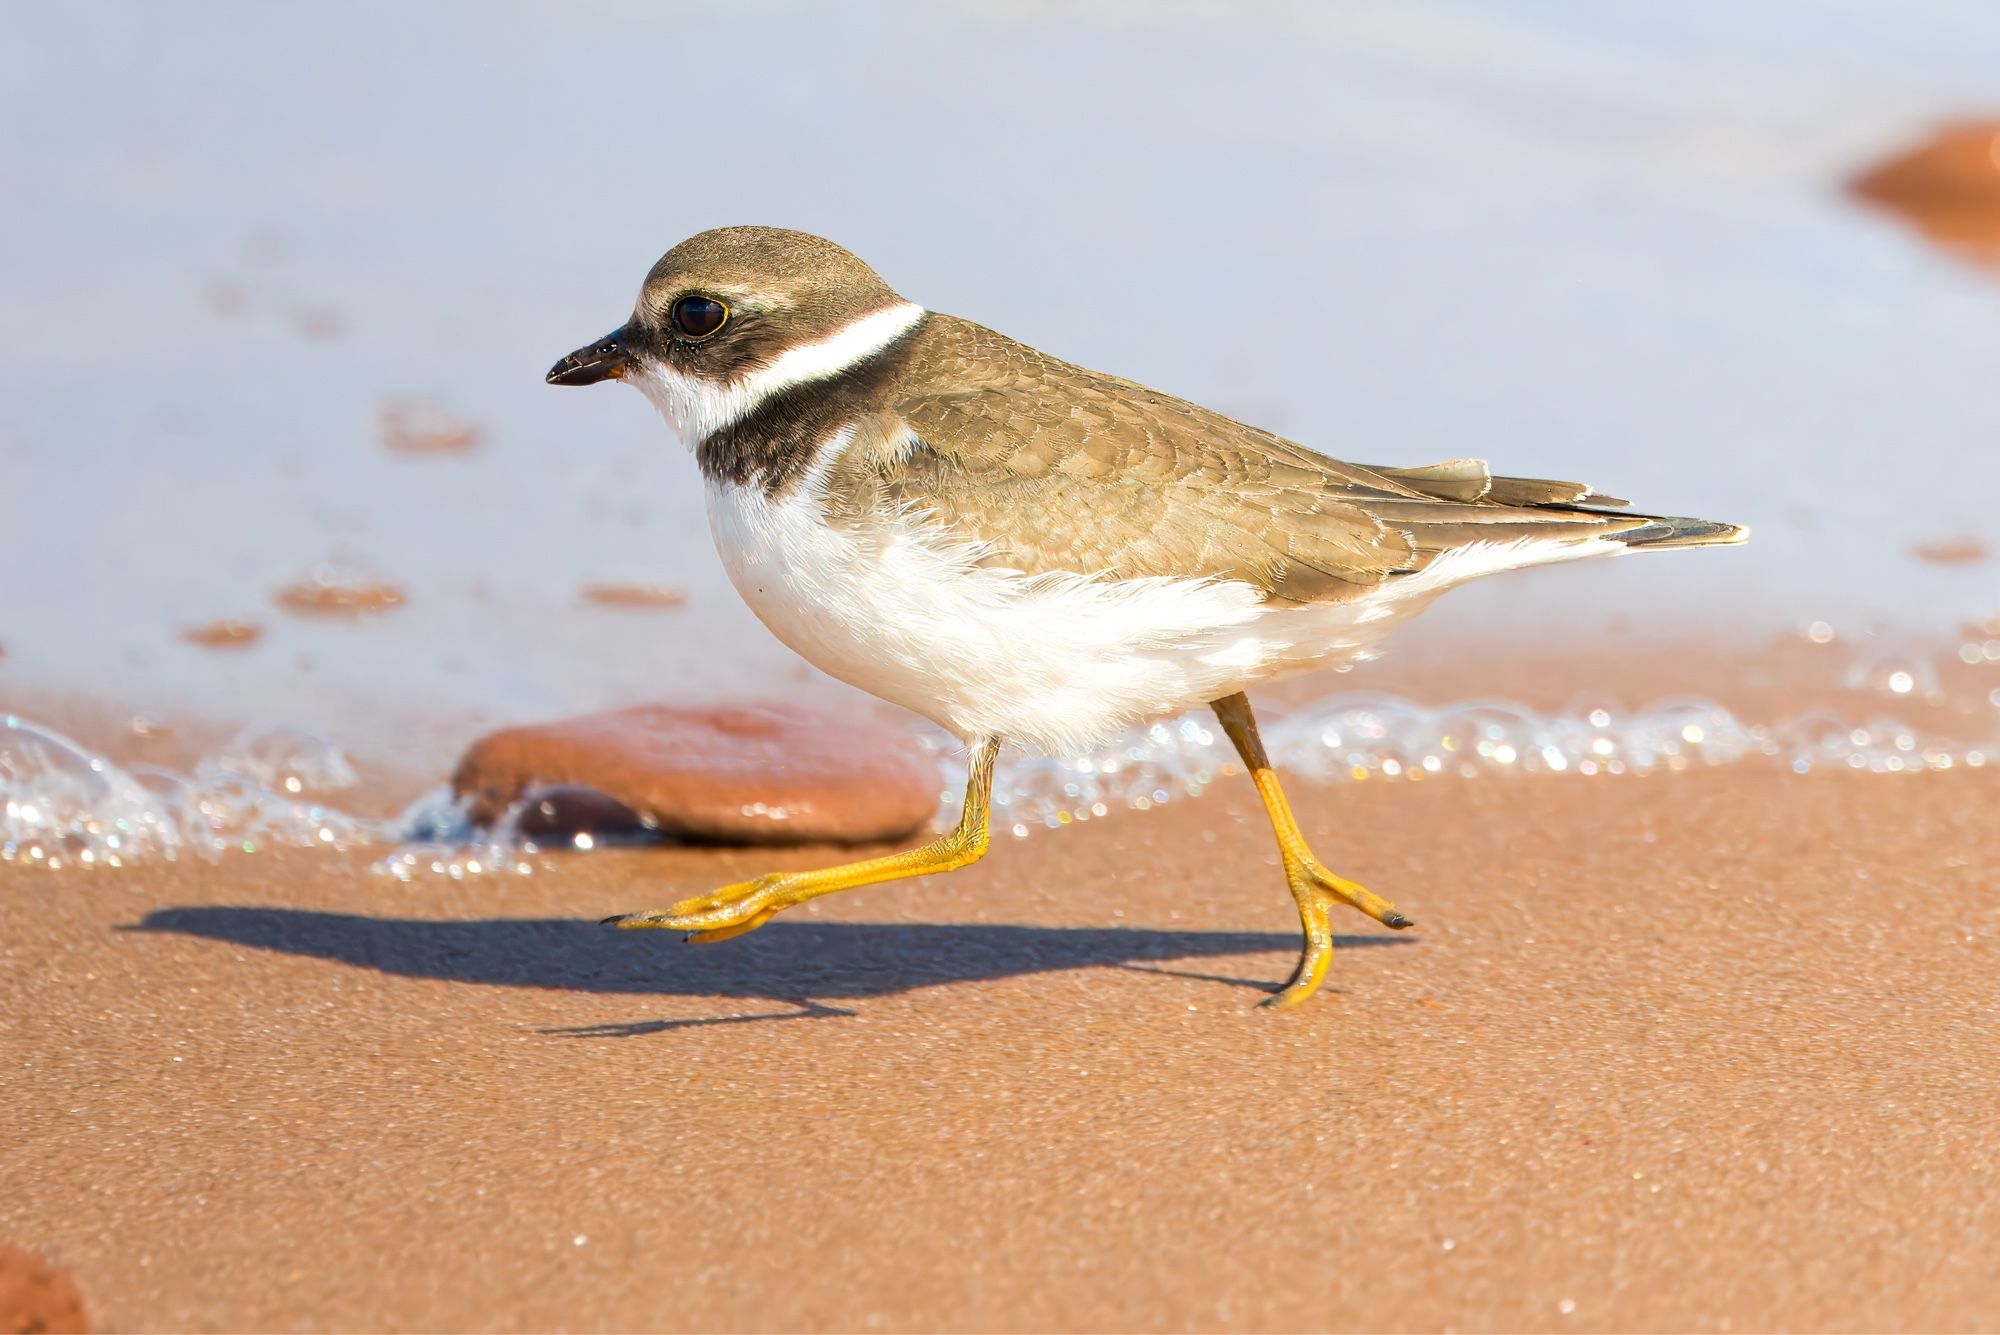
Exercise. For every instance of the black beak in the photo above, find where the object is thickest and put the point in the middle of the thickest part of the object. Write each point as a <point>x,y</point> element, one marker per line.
<point>606,359</point>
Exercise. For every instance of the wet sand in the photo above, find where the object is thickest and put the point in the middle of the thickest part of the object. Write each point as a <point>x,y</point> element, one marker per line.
<point>1705,1051</point>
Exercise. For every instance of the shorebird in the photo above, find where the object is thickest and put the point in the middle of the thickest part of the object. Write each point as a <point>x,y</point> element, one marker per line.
<point>1018,548</point>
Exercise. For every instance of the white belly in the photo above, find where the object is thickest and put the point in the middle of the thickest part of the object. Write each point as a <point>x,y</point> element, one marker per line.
<point>1055,663</point>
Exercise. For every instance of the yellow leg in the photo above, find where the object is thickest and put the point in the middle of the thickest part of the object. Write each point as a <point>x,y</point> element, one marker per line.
<point>748,905</point>
<point>1314,887</point>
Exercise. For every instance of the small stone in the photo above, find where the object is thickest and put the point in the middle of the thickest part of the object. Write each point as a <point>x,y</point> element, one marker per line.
<point>763,774</point>
<point>37,1297</point>
<point>1961,550</point>
<point>634,597</point>
<point>329,592</point>
<point>1947,187</point>
<point>321,324</point>
<point>415,426</point>
<point>225,634</point>
<point>559,815</point>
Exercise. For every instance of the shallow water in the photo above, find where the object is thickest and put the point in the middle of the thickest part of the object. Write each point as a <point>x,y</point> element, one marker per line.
<point>286,788</point>
<point>282,285</point>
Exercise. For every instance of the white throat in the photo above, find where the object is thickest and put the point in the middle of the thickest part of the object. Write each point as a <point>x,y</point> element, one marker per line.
<point>696,408</point>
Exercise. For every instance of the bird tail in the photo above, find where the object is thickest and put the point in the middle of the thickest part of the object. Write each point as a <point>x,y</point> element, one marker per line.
<point>1668,531</point>
<point>1470,481</point>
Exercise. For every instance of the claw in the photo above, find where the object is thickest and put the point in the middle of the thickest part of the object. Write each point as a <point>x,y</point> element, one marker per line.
<point>686,915</point>
<point>1355,896</point>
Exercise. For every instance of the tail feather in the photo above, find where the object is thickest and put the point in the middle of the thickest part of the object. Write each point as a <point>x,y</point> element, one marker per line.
<point>1461,500</point>
<point>1470,481</point>
<point>1671,531</point>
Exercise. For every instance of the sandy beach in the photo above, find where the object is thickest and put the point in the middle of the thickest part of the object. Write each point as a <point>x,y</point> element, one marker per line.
<point>1705,1051</point>
<point>1695,1029</point>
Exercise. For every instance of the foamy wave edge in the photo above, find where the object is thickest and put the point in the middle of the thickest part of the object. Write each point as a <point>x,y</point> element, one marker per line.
<point>63,806</point>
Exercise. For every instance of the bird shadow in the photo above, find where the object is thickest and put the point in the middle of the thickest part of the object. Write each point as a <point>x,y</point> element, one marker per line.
<point>802,964</point>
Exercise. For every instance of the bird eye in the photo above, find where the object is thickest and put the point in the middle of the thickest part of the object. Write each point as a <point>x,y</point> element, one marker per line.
<point>698,317</point>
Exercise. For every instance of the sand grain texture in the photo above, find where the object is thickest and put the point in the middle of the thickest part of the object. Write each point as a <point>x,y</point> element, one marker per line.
<point>1703,1051</point>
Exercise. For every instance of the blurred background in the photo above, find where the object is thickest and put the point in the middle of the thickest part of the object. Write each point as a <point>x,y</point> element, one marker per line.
<point>281,283</point>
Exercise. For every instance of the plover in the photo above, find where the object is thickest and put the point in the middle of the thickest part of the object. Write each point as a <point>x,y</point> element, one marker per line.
<point>1021,549</point>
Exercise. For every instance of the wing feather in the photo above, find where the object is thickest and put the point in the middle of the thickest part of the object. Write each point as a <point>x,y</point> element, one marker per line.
<point>1051,467</point>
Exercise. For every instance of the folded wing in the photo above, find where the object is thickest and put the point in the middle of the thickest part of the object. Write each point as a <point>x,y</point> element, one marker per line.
<point>1053,468</point>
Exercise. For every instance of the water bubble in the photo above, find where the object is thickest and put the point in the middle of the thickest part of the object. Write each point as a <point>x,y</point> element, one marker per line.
<point>1814,739</point>
<point>439,816</point>
<point>288,760</point>
<point>1895,675</point>
<point>1687,729</point>
<point>1487,735</point>
<point>57,798</point>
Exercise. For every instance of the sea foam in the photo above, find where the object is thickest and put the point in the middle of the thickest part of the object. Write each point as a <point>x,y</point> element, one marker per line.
<point>62,806</point>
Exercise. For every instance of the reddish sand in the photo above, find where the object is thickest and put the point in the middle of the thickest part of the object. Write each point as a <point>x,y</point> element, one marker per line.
<point>1958,550</point>
<point>635,597</point>
<point>413,427</point>
<point>327,595</point>
<point>224,634</point>
<point>1703,1051</point>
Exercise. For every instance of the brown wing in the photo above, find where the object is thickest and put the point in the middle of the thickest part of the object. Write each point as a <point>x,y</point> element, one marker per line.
<point>1057,468</point>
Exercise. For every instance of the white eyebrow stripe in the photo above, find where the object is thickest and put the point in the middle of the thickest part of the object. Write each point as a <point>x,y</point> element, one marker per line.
<point>833,354</point>
<point>697,408</point>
